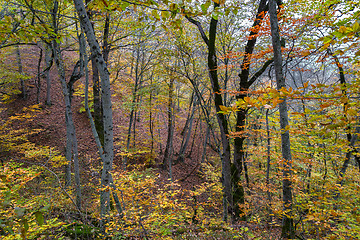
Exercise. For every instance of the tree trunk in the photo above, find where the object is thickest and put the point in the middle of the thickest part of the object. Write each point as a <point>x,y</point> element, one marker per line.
<point>71,141</point>
<point>151,124</point>
<point>98,118</point>
<point>20,70</point>
<point>187,131</point>
<point>48,59</point>
<point>92,123</point>
<point>223,124</point>
<point>245,84</point>
<point>268,148</point>
<point>38,82</point>
<point>169,143</point>
<point>288,230</point>
<point>228,207</point>
<point>106,178</point>
<point>133,104</point>
<point>350,137</point>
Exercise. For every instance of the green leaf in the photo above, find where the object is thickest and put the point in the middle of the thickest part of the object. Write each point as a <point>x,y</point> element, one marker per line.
<point>155,14</point>
<point>215,15</point>
<point>356,27</point>
<point>165,15</point>
<point>39,218</point>
<point>327,39</point>
<point>205,6</point>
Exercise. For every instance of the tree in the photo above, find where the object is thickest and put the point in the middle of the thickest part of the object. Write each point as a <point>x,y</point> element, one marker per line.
<point>108,147</point>
<point>67,88</point>
<point>288,230</point>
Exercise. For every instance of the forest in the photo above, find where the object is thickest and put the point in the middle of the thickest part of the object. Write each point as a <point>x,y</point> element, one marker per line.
<point>179,119</point>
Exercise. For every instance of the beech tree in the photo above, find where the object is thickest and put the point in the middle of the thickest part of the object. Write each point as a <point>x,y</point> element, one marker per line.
<point>108,147</point>
<point>287,224</point>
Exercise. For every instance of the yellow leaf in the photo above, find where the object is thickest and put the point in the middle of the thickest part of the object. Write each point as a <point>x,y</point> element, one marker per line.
<point>342,29</point>
<point>356,27</point>
<point>312,46</point>
<point>223,108</point>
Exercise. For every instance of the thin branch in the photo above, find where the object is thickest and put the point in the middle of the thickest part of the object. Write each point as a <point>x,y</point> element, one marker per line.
<point>201,30</point>
<point>17,44</point>
<point>41,11</point>
<point>261,71</point>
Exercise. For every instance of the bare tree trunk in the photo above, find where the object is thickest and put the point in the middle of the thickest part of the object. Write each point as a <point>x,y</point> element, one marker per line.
<point>106,178</point>
<point>92,123</point>
<point>169,143</point>
<point>245,83</point>
<point>98,118</point>
<point>38,81</point>
<point>133,104</point>
<point>228,207</point>
<point>288,230</point>
<point>151,124</point>
<point>187,130</point>
<point>203,156</point>
<point>268,148</point>
<point>20,70</point>
<point>188,115</point>
<point>351,139</point>
<point>71,141</point>
<point>48,60</point>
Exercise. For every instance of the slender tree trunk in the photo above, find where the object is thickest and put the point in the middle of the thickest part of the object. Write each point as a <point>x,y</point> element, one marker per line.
<point>228,207</point>
<point>188,115</point>
<point>151,124</point>
<point>187,130</point>
<point>20,70</point>
<point>48,59</point>
<point>106,178</point>
<point>268,148</point>
<point>106,46</point>
<point>38,82</point>
<point>98,119</point>
<point>133,103</point>
<point>98,111</point>
<point>193,138</point>
<point>68,114</point>
<point>223,124</point>
<point>92,123</point>
<point>203,156</point>
<point>288,230</point>
<point>71,145</point>
<point>245,84</point>
<point>350,137</point>
<point>159,134</point>
<point>169,143</point>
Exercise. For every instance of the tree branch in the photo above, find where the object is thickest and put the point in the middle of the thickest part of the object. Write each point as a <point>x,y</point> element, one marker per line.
<point>201,30</point>
<point>261,71</point>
